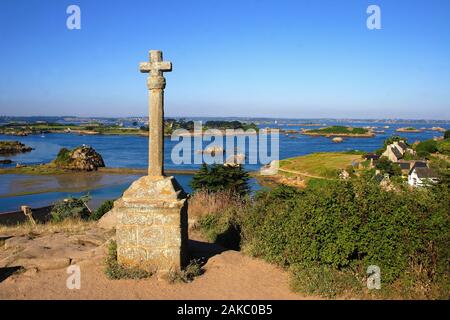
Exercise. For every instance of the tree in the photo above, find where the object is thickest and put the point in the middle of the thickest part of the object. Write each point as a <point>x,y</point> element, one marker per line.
<point>219,177</point>
<point>444,147</point>
<point>447,134</point>
<point>387,166</point>
<point>104,208</point>
<point>425,148</point>
<point>75,208</point>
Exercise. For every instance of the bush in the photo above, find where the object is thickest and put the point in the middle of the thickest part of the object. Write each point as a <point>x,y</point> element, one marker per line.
<point>323,280</point>
<point>218,177</point>
<point>425,148</point>
<point>71,208</point>
<point>203,203</point>
<point>192,270</point>
<point>447,134</point>
<point>63,156</point>
<point>221,229</point>
<point>104,208</point>
<point>386,166</point>
<point>348,225</point>
<point>222,226</point>
<point>444,147</point>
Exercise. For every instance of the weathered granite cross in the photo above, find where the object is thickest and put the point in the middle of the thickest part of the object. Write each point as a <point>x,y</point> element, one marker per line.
<point>156,84</point>
<point>151,216</point>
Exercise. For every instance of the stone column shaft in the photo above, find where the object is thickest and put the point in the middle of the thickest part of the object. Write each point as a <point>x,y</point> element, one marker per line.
<point>156,133</point>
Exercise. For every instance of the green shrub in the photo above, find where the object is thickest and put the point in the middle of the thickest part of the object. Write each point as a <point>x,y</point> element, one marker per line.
<point>222,228</point>
<point>323,280</point>
<point>387,166</point>
<point>345,226</point>
<point>447,134</point>
<point>74,208</point>
<point>192,270</point>
<point>425,148</point>
<point>442,167</point>
<point>115,271</point>
<point>104,208</point>
<point>63,156</point>
<point>444,147</point>
<point>219,177</point>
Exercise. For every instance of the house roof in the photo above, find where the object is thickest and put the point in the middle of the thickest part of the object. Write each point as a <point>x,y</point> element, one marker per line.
<point>403,145</point>
<point>420,164</point>
<point>396,152</point>
<point>404,165</point>
<point>425,173</point>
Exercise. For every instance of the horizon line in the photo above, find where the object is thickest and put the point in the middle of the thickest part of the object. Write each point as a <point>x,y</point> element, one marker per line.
<point>251,117</point>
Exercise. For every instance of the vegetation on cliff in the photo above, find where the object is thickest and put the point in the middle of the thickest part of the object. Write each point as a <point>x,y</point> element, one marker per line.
<point>83,158</point>
<point>13,147</point>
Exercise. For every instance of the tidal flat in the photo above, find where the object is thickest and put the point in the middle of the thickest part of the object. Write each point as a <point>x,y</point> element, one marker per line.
<point>12,185</point>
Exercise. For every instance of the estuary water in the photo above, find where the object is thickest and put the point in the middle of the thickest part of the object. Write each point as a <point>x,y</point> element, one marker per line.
<point>121,151</point>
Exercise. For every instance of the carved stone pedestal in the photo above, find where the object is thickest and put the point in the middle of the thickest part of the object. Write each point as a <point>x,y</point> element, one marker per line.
<point>151,227</point>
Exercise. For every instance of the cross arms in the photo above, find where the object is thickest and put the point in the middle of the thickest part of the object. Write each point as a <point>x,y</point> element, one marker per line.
<point>155,68</point>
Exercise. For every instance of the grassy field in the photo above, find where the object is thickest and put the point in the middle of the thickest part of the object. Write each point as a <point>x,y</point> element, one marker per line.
<point>324,164</point>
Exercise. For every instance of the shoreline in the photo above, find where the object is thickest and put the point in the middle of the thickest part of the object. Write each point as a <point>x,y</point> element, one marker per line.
<point>78,181</point>
<point>411,131</point>
<point>43,170</point>
<point>331,135</point>
<point>135,133</point>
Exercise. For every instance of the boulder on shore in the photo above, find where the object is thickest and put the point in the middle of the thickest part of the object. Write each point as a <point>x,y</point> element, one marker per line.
<point>83,158</point>
<point>108,221</point>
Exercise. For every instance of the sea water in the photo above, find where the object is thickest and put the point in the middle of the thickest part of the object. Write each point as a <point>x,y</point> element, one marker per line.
<point>122,151</point>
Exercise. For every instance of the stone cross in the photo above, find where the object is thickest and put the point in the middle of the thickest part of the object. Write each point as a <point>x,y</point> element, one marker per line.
<point>151,215</point>
<point>156,84</point>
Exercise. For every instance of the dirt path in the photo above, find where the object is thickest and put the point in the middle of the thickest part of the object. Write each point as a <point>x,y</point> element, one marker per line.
<point>227,275</point>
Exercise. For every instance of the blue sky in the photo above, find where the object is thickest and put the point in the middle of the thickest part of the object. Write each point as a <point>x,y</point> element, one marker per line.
<point>300,58</point>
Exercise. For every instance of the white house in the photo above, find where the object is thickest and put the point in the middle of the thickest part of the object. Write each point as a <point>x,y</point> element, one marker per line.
<point>420,176</point>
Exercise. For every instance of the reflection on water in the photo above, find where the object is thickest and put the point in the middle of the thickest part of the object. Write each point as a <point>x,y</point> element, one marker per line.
<point>115,186</point>
<point>12,184</point>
